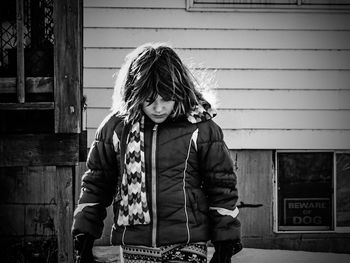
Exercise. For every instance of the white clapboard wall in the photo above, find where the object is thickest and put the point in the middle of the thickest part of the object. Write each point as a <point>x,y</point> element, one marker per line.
<point>283,78</point>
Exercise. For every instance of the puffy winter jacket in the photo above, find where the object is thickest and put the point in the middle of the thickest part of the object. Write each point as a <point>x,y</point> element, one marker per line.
<point>188,172</point>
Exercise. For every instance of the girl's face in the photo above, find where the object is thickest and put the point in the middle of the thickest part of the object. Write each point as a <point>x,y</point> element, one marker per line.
<point>159,110</point>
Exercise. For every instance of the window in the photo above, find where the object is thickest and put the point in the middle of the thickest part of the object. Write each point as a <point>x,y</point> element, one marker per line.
<point>230,5</point>
<point>26,51</point>
<point>27,66</point>
<point>312,191</point>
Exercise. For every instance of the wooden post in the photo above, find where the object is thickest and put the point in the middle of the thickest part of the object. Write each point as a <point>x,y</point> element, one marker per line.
<point>64,215</point>
<point>80,169</point>
<point>20,51</point>
<point>67,66</point>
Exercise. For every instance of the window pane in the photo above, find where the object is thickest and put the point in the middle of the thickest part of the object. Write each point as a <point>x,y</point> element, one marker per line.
<point>39,38</point>
<point>305,190</point>
<point>343,189</point>
<point>8,39</point>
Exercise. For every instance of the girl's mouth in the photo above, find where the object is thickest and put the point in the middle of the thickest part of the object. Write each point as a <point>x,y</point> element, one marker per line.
<point>159,116</point>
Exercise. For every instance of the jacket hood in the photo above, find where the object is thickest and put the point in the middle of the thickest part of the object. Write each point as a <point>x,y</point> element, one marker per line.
<point>201,113</point>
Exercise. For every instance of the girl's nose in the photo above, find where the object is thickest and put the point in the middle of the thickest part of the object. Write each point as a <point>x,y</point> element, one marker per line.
<point>157,106</point>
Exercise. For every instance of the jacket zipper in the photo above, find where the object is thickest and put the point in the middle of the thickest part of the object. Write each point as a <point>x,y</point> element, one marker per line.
<point>154,186</point>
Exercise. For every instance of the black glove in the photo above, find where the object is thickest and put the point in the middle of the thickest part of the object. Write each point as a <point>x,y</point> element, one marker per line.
<point>224,250</point>
<point>83,244</point>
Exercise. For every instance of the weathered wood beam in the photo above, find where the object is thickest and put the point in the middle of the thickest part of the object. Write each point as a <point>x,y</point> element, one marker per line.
<point>27,106</point>
<point>33,85</point>
<point>64,213</point>
<point>67,66</point>
<point>28,185</point>
<point>20,51</point>
<point>80,169</point>
<point>39,149</point>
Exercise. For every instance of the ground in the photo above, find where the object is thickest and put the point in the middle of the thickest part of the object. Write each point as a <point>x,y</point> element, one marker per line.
<point>248,255</point>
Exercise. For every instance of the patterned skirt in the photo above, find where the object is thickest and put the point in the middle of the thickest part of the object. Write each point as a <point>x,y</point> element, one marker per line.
<point>194,253</point>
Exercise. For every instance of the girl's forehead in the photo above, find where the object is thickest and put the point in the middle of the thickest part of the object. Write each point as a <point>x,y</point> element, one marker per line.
<point>159,97</point>
<point>164,93</point>
<point>156,96</point>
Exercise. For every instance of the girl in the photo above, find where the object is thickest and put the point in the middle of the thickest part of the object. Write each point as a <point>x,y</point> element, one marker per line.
<point>162,160</point>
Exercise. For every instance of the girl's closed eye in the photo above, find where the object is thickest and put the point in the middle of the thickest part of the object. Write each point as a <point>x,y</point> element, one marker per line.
<point>167,99</point>
<point>149,101</point>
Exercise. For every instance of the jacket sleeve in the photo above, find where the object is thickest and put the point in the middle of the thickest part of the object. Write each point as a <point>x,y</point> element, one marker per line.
<point>98,185</point>
<point>219,183</point>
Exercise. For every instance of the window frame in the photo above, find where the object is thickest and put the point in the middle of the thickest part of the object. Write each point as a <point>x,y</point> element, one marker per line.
<point>335,228</point>
<point>191,5</point>
<point>338,229</point>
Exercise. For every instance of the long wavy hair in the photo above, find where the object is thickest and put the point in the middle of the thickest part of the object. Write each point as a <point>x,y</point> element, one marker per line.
<point>150,70</point>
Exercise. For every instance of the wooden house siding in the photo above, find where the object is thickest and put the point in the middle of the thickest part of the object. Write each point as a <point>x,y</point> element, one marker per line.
<point>283,77</point>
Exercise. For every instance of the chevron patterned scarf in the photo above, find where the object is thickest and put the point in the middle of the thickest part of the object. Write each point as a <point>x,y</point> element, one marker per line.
<point>133,205</point>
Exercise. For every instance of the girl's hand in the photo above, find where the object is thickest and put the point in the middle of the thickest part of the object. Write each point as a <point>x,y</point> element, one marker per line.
<point>224,250</point>
<point>83,244</point>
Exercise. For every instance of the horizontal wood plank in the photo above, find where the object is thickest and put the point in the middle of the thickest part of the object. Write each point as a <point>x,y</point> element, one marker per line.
<point>12,220</point>
<point>101,98</point>
<point>235,59</point>
<point>284,99</point>
<point>217,39</point>
<point>325,2</point>
<point>176,18</point>
<point>95,116</point>
<point>39,149</point>
<point>261,119</point>
<point>280,139</point>
<point>284,119</point>
<point>255,99</point>
<point>276,6</point>
<point>288,139</point>
<point>39,220</point>
<point>99,77</point>
<point>136,3</point>
<point>28,106</point>
<point>282,79</point>
<point>32,85</point>
<point>244,79</point>
<point>27,185</point>
<point>27,121</point>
